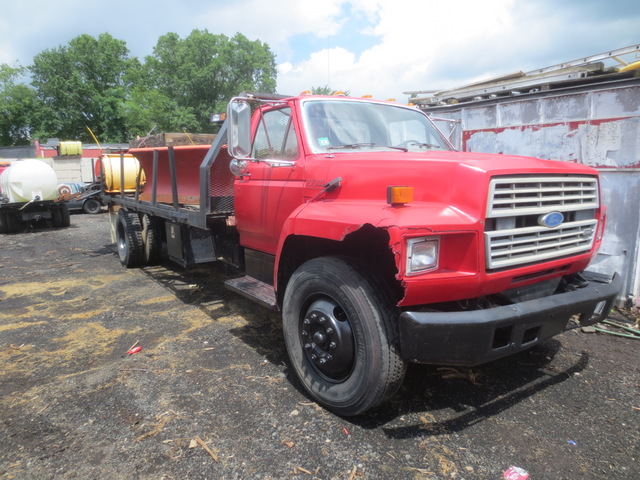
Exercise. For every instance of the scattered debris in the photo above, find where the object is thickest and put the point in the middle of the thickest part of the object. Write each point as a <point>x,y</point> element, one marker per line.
<point>162,419</point>
<point>467,374</point>
<point>427,419</point>
<point>354,471</point>
<point>135,348</point>
<point>515,473</point>
<point>621,329</point>
<point>200,442</point>
<point>423,471</point>
<point>300,469</point>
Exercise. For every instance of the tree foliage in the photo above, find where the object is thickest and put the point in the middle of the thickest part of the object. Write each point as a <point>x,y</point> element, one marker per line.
<point>201,72</point>
<point>93,82</point>
<point>327,90</point>
<point>83,85</point>
<point>17,107</point>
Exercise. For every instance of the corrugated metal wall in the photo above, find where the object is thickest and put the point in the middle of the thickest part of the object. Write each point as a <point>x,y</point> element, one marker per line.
<point>598,125</point>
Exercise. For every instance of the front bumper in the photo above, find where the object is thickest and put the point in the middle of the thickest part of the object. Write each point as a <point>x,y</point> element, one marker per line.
<point>478,336</point>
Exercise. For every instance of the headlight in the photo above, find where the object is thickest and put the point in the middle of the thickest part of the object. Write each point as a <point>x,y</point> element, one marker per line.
<point>422,254</point>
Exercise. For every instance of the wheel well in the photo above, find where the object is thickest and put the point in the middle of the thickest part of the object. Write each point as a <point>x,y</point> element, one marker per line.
<point>370,245</point>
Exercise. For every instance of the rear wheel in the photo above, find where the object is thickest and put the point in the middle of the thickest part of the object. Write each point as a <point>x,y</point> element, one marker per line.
<point>129,239</point>
<point>91,206</point>
<point>11,222</point>
<point>65,216</point>
<point>56,217</point>
<point>4,226</point>
<point>340,334</point>
<point>151,239</point>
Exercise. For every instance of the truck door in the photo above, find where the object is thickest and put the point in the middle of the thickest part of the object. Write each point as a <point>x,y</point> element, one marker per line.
<point>273,187</point>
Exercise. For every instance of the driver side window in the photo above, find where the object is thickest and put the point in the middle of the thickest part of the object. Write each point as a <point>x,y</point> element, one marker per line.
<point>276,136</point>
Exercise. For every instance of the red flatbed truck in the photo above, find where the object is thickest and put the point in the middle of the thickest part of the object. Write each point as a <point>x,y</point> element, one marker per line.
<point>378,242</point>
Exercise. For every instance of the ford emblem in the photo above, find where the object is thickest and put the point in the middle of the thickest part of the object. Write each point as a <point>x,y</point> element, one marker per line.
<point>551,220</point>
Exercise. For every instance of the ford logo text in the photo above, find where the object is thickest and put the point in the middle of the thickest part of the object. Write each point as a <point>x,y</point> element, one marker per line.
<point>551,220</point>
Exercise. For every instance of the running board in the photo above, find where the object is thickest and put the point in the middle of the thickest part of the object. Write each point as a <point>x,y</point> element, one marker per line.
<point>255,290</point>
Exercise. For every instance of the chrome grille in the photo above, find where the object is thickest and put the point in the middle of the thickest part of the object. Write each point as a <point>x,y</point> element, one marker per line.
<point>511,196</point>
<point>535,244</point>
<point>515,236</point>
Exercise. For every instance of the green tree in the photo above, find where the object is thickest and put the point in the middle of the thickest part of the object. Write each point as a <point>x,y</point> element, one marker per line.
<point>83,85</point>
<point>327,90</point>
<point>17,107</point>
<point>196,76</point>
<point>150,108</point>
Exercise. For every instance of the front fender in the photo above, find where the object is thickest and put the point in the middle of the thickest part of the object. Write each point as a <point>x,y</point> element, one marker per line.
<point>334,220</point>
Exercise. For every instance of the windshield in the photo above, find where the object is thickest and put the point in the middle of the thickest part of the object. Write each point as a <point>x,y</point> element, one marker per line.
<point>344,125</point>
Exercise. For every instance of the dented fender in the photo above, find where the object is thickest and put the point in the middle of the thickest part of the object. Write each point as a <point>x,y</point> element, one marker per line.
<point>335,220</point>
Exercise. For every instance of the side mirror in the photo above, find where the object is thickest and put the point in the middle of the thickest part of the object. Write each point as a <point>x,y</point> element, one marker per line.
<point>238,135</point>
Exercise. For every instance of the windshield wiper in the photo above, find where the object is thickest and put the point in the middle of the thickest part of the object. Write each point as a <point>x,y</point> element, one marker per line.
<point>427,145</point>
<point>351,145</point>
<point>404,149</point>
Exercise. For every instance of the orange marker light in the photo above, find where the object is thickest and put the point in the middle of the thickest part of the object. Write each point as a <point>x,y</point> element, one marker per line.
<point>399,195</point>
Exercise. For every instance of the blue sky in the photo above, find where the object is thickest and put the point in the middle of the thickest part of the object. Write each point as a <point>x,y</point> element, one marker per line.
<point>377,47</point>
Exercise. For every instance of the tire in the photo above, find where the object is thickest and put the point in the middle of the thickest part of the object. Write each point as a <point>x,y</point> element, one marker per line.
<point>65,215</point>
<point>4,227</point>
<point>91,206</point>
<point>129,239</point>
<point>11,222</point>
<point>151,239</point>
<point>340,335</point>
<point>56,217</point>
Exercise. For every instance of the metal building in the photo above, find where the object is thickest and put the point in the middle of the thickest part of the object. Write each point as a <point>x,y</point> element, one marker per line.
<point>587,111</point>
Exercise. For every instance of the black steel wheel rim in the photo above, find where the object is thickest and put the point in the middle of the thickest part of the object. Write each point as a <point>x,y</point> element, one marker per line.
<point>327,339</point>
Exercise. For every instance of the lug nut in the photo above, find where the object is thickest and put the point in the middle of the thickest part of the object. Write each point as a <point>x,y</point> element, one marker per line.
<point>332,345</point>
<point>329,331</point>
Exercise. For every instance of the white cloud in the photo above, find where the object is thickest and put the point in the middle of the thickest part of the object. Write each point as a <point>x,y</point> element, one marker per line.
<point>435,45</point>
<point>378,47</point>
<point>273,22</point>
<point>412,36</point>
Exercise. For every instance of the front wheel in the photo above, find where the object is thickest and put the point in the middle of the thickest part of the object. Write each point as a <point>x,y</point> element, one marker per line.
<point>340,334</point>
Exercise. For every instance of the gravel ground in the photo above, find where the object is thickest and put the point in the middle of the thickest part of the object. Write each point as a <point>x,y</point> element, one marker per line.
<point>211,394</point>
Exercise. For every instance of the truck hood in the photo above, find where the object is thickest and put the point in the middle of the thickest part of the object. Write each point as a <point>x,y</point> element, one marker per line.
<point>455,179</point>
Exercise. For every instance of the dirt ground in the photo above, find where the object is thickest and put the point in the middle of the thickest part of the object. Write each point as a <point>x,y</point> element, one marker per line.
<point>211,394</point>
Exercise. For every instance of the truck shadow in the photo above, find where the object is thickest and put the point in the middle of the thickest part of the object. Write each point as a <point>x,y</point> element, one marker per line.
<point>459,397</point>
<point>203,287</point>
<point>454,399</point>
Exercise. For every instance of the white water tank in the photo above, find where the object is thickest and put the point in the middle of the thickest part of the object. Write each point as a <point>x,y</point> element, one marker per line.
<point>28,180</point>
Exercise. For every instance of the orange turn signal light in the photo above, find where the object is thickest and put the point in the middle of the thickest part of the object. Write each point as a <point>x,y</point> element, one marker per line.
<point>399,195</point>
